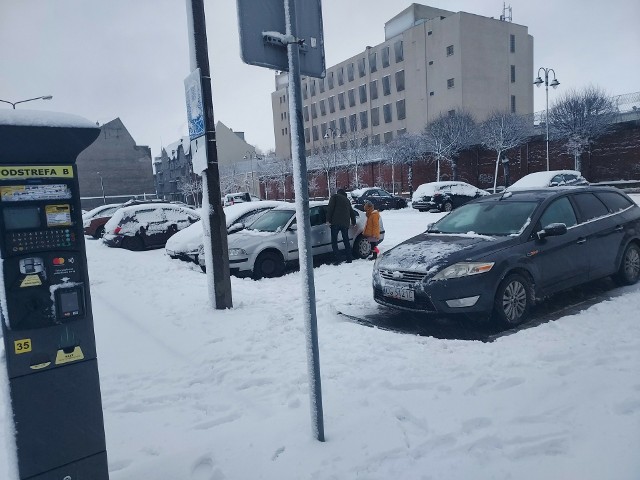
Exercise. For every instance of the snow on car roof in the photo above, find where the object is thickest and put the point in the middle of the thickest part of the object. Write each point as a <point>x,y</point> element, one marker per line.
<point>431,187</point>
<point>358,192</point>
<point>540,179</point>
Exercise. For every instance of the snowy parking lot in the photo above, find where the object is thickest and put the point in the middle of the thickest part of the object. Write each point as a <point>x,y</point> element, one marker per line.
<point>193,393</point>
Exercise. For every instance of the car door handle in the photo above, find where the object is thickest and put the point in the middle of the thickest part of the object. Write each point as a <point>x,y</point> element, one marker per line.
<point>581,240</point>
<point>619,228</point>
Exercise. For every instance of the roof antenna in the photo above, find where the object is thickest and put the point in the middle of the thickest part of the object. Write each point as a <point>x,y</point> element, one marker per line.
<point>504,17</point>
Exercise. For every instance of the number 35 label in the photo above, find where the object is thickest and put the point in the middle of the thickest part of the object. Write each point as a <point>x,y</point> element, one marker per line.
<point>22,346</point>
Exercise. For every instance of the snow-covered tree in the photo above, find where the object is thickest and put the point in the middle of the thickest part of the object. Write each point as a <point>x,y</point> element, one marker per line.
<point>447,135</point>
<point>405,149</point>
<point>579,118</point>
<point>502,131</point>
<point>326,160</point>
<point>191,188</point>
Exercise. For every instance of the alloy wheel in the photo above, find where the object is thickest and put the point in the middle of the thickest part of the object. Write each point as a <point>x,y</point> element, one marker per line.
<point>514,301</point>
<point>632,263</point>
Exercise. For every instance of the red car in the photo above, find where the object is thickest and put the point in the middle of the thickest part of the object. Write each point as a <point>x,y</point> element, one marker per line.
<point>93,221</point>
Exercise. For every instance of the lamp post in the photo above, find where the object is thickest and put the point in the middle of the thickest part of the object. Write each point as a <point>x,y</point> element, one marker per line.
<point>251,155</point>
<point>13,104</point>
<point>332,133</point>
<point>104,198</point>
<point>554,83</point>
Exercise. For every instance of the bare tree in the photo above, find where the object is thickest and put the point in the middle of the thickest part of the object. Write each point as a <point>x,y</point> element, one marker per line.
<point>447,135</point>
<point>191,187</point>
<point>405,149</point>
<point>579,118</point>
<point>357,153</point>
<point>502,131</point>
<point>326,159</point>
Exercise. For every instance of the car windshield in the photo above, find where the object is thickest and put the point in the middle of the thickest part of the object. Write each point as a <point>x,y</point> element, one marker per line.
<point>487,218</point>
<point>272,221</point>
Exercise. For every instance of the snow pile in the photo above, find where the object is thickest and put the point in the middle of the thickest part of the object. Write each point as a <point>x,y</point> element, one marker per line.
<point>38,118</point>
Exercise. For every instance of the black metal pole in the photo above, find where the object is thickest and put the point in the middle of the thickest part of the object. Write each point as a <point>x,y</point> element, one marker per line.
<point>301,187</point>
<point>218,261</point>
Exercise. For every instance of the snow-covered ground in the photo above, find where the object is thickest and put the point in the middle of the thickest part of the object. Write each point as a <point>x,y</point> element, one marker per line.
<point>191,393</point>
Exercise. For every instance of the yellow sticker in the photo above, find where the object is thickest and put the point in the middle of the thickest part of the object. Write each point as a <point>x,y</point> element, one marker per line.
<point>36,171</point>
<point>31,281</point>
<point>58,215</point>
<point>62,357</point>
<point>40,366</point>
<point>22,346</point>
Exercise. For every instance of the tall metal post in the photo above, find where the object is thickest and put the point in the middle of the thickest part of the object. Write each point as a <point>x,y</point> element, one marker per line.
<point>301,188</point>
<point>537,82</point>
<point>104,198</point>
<point>215,230</point>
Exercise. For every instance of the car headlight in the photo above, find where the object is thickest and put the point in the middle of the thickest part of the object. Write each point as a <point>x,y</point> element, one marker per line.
<point>464,269</point>
<point>237,252</point>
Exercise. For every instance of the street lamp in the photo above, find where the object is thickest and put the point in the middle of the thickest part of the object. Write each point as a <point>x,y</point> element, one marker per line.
<point>251,155</point>
<point>13,104</point>
<point>104,198</point>
<point>332,133</point>
<point>554,83</point>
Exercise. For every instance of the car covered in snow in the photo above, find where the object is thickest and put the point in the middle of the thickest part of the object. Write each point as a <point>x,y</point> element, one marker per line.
<point>501,253</point>
<point>267,246</point>
<point>381,199</point>
<point>148,225</point>
<point>444,196</point>
<point>552,178</point>
<point>187,243</point>
<point>238,197</point>
<point>94,220</point>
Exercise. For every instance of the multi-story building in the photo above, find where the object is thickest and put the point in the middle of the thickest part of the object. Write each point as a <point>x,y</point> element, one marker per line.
<point>431,61</point>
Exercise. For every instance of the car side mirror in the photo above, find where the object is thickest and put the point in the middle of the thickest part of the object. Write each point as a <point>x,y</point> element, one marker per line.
<point>236,227</point>
<point>552,230</point>
<point>293,227</point>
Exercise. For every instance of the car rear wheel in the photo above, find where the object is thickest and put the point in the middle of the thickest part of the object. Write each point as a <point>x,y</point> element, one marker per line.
<point>361,247</point>
<point>629,271</point>
<point>268,265</point>
<point>447,207</point>
<point>99,233</point>
<point>512,301</point>
<point>134,243</point>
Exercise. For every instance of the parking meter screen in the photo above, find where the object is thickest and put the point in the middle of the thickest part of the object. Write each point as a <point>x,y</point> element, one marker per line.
<point>21,218</point>
<point>69,303</point>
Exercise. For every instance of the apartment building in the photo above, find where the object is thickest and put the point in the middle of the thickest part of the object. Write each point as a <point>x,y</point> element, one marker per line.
<point>431,61</point>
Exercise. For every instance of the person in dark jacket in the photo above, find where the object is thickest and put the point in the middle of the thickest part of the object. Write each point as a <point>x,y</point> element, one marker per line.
<point>340,216</point>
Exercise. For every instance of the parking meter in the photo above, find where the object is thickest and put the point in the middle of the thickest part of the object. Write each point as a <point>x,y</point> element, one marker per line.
<point>47,323</point>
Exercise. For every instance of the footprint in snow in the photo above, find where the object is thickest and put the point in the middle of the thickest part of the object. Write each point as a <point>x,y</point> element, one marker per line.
<point>204,469</point>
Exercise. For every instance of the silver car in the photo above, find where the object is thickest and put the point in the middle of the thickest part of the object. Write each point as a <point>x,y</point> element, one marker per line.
<point>267,246</point>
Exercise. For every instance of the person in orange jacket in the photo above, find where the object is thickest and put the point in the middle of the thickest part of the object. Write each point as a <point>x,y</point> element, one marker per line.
<point>372,228</point>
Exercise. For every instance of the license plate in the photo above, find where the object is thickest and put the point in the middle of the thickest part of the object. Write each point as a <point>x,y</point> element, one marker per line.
<point>401,292</point>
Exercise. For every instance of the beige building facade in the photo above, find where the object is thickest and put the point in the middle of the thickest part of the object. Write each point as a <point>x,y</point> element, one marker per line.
<point>431,61</point>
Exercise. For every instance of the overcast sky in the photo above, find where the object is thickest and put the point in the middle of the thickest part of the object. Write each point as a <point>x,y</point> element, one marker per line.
<point>104,59</point>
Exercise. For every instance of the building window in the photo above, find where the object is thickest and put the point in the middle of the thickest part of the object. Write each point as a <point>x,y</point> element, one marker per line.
<point>450,83</point>
<point>330,80</point>
<point>314,131</point>
<point>341,100</point>
<point>430,62</point>
<point>362,68</point>
<point>323,129</point>
<point>353,122</point>
<point>341,76</point>
<point>321,85</point>
<point>388,136</point>
<point>323,109</point>
<point>364,120</point>
<point>332,125</point>
<point>352,97</point>
<point>305,112</point>
<point>373,89</point>
<point>343,125</point>
<point>307,137</point>
<point>314,111</point>
<point>376,139</point>
<point>305,92</point>
<point>285,115</point>
<point>313,88</point>
<point>431,94</point>
<point>513,104</point>
<point>397,47</point>
<point>451,113</point>
<point>386,110</point>
<point>400,110</point>
<point>429,32</point>
<point>513,74</point>
<point>386,85</point>
<point>373,65</point>
<point>449,50</point>
<point>350,72</point>
<point>512,43</point>
<point>400,81</point>
<point>332,104</point>
<point>363,93</point>
<point>385,57</point>
<point>401,132</point>
<point>375,116</point>
<point>364,142</point>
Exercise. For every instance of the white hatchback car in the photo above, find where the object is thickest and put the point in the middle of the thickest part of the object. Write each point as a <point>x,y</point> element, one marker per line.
<point>268,245</point>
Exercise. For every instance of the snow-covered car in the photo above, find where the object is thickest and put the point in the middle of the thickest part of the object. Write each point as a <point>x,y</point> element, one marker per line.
<point>552,178</point>
<point>268,245</point>
<point>94,220</point>
<point>381,199</point>
<point>444,196</point>
<point>238,197</point>
<point>147,225</point>
<point>186,244</point>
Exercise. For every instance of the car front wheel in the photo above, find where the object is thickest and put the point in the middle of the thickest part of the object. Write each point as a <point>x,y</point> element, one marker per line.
<point>268,265</point>
<point>99,233</point>
<point>447,207</point>
<point>512,301</point>
<point>629,271</point>
<point>361,247</point>
<point>134,243</point>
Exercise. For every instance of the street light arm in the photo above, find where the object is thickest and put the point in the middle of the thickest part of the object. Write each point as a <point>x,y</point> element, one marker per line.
<point>10,103</point>
<point>43,97</point>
